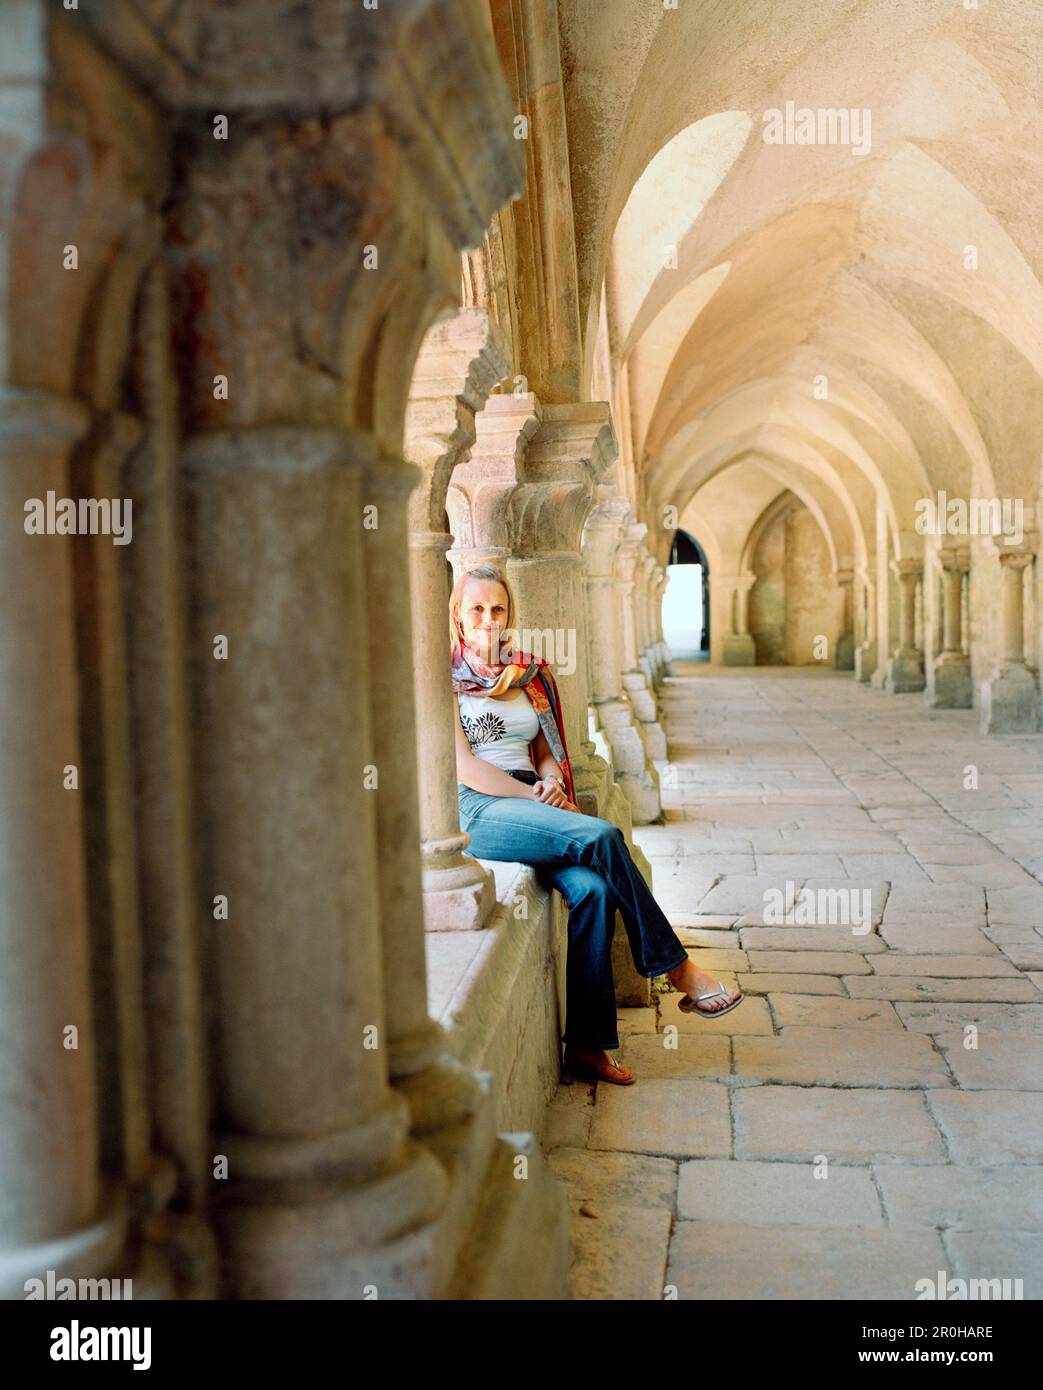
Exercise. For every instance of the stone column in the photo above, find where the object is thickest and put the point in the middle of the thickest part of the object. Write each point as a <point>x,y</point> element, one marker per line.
<point>665,665</point>
<point>635,682</point>
<point>844,653</point>
<point>865,654</point>
<point>950,685</point>
<point>655,651</point>
<point>291,787</point>
<point>643,578</point>
<point>1010,697</point>
<point>905,669</point>
<point>613,712</point>
<point>56,1212</point>
<point>738,645</point>
<point>563,465</point>
<point>459,363</point>
<point>160,718</point>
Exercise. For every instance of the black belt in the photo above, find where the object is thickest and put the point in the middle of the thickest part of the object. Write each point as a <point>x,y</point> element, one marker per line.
<point>523,774</point>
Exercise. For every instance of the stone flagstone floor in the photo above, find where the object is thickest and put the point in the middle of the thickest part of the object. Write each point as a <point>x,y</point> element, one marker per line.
<point>836,1136</point>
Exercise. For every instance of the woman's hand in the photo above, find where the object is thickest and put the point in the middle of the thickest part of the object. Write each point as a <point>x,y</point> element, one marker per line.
<point>549,792</point>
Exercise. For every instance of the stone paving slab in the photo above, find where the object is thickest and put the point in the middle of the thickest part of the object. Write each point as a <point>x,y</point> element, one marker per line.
<point>937,898</point>
<point>1009,1198</point>
<point>745,893</point>
<point>716,962</point>
<point>693,1055</point>
<point>568,1118</point>
<point>664,1116</point>
<point>620,1253</point>
<point>1024,956</point>
<point>1008,991</point>
<point>712,1260</point>
<point>1000,1062</point>
<point>765,982</point>
<point>818,1011</point>
<point>799,865</point>
<point>824,962</point>
<point>987,1127</point>
<point>989,876</point>
<point>776,1194</point>
<point>896,868</point>
<point>811,939</point>
<point>629,1180</point>
<point>990,1018</point>
<point>715,938</point>
<point>941,940</point>
<point>1010,935</point>
<point>636,1020</point>
<point>1022,905</point>
<point>818,1056</point>
<point>878,889</point>
<point>849,1126</point>
<point>988,1254</point>
<point>954,966</point>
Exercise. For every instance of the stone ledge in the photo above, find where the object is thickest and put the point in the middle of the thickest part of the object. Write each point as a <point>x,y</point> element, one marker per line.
<point>499,993</point>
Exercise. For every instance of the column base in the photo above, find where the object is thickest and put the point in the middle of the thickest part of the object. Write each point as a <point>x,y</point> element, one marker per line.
<point>638,780</point>
<point>1010,701</point>
<point>378,1235</point>
<point>904,673</point>
<point>739,651</point>
<point>844,653</point>
<point>458,894</point>
<point>635,687</point>
<point>949,684</point>
<point>865,661</point>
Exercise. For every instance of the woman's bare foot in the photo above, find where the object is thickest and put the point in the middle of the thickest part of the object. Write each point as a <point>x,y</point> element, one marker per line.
<point>693,982</point>
<point>598,1061</point>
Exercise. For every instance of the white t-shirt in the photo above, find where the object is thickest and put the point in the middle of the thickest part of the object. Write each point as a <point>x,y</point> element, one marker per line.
<point>499,731</point>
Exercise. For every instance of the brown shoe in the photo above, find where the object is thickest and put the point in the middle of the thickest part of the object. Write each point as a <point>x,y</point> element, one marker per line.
<point>605,1071</point>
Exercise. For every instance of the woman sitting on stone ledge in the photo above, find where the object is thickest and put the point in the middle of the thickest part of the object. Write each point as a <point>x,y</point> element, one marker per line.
<point>516,797</point>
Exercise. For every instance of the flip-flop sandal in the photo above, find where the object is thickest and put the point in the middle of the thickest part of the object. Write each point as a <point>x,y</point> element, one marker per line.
<point>586,1071</point>
<point>688,1005</point>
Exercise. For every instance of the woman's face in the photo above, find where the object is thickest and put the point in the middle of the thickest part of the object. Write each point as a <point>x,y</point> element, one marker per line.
<point>483,616</point>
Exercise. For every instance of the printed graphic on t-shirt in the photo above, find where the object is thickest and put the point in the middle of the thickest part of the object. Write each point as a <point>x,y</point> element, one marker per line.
<point>487,728</point>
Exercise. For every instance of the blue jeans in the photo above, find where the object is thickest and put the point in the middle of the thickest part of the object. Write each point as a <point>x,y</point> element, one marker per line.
<point>587,860</point>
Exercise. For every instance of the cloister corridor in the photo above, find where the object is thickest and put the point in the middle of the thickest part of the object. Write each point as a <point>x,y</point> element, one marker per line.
<point>853,1046</point>
<point>394,396</point>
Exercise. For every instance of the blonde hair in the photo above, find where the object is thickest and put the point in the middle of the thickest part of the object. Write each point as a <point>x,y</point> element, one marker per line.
<point>456,631</point>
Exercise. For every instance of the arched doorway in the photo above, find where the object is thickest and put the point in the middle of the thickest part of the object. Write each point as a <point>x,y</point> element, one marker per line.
<point>686,603</point>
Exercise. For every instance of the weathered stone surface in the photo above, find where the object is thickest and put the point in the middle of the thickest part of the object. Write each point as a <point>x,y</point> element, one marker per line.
<point>818,1012</point>
<point>765,982</point>
<point>963,1199</point>
<point>848,1126</point>
<point>810,939</point>
<point>569,1117</point>
<point>624,1179</point>
<point>835,1057</point>
<point>990,1018</point>
<point>693,1055</point>
<point>798,1262</point>
<point>663,1117</point>
<point>825,962</point>
<point>985,1127</point>
<point>973,989</point>
<point>956,966</point>
<point>776,1194</point>
<point>995,1255</point>
<point>999,1062</point>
